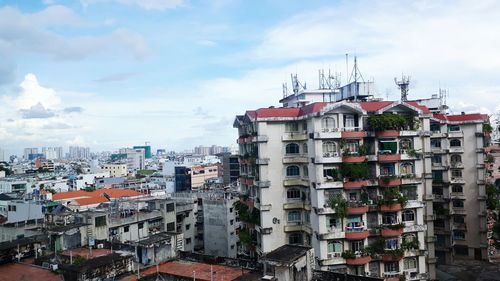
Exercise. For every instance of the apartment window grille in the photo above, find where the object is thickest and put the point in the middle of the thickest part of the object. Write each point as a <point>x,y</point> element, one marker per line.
<point>436,159</point>
<point>294,216</point>
<point>456,173</point>
<point>458,235</point>
<point>293,171</point>
<point>459,219</point>
<point>334,246</point>
<point>126,228</point>
<point>391,243</point>
<point>456,159</point>
<point>390,218</point>
<point>328,123</point>
<point>409,238</point>
<point>332,222</point>
<point>406,168</point>
<point>293,193</point>
<point>331,173</point>
<point>405,144</point>
<point>305,150</point>
<point>391,267</point>
<point>357,246</point>
<point>305,171</point>
<point>349,121</point>
<point>410,263</point>
<point>455,143</point>
<point>329,148</point>
<point>408,215</point>
<point>435,143</point>
<point>435,127</point>
<point>458,203</point>
<point>353,196</point>
<point>453,128</point>
<point>292,148</point>
<point>410,192</point>
<point>387,170</point>
<point>457,189</point>
<point>295,238</point>
<point>352,146</point>
<point>292,127</point>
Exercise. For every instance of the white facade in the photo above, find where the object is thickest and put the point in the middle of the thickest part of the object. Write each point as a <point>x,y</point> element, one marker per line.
<point>135,158</point>
<point>8,185</point>
<point>116,170</point>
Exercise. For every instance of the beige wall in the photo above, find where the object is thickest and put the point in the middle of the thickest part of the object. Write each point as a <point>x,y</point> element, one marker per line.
<point>116,170</point>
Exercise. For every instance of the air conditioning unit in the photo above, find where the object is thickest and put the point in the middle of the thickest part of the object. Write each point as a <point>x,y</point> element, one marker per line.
<point>100,246</point>
<point>54,267</point>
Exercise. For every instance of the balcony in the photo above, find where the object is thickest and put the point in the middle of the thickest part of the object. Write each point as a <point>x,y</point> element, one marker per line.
<point>298,226</point>
<point>328,134</point>
<point>455,134</point>
<point>411,204</point>
<point>415,228</point>
<point>263,184</point>
<point>391,276</point>
<point>438,134</point>
<point>297,205</point>
<point>296,181</point>
<point>292,159</point>
<point>353,159</point>
<point>356,231</point>
<point>390,208</point>
<point>328,158</point>
<point>457,165</point>
<point>389,157</point>
<point>440,166</point>
<point>355,184</point>
<point>410,179</point>
<point>406,133</point>
<point>332,259</point>
<point>356,208</point>
<point>356,258</point>
<point>332,233</point>
<point>457,180</point>
<point>387,232</point>
<point>457,195</point>
<point>458,211</point>
<point>456,150</point>
<point>392,255</point>
<point>262,161</point>
<point>294,136</point>
<point>387,134</point>
<point>389,181</point>
<point>333,183</point>
<point>353,134</point>
<point>260,138</point>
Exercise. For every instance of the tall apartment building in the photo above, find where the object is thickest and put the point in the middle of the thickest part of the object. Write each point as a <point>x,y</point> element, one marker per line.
<point>78,152</point>
<point>339,177</point>
<point>28,151</point>
<point>135,158</point>
<point>52,153</point>
<point>458,172</point>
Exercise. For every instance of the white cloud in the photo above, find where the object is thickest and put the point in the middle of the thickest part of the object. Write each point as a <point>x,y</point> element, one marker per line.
<point>160,5</point>
<point>32,94</point>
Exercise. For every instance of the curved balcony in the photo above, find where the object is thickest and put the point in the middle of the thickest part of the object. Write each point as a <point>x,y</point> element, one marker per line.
<point>294,181</point>
<point>353,159</point>
<point>355,184</point>
<point>388,257</point>
<point>358,260</point>
<point>387,232</point>
<point>356,232</point>
<point>356,208</point>
<point>391,208</point>
<point>387,134</point>
<point>298,158</point>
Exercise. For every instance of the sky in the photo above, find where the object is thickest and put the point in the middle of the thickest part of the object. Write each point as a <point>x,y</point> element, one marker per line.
<point>115,73</point>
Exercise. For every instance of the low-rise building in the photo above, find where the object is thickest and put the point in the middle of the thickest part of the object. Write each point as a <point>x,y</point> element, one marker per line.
<point>116,169</point>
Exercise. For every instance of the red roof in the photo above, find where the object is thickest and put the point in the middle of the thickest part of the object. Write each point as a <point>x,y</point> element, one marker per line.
<point>90,201</point>
<point>70,195</point>
<point>462,117</point>
<point>203,271</point>
<point>369,106</point>
<point>19,271</point>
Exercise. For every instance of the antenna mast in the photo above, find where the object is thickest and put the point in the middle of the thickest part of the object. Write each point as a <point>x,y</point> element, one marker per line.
<point>403,85</point>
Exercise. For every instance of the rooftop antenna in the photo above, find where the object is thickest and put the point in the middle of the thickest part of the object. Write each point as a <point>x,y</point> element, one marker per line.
<point>296,85</point>
<point>356,74</point>
<point>403,85</point>
<point>347,67</point>
<point>285,90</point>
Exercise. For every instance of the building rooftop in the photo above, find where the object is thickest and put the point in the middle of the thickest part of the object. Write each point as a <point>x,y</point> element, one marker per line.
<point>21,271</point>
<point>203,271</point>
<point>22,241</point>
<point>286,253</point>
<point>462,117</point>
<point>84,252</point>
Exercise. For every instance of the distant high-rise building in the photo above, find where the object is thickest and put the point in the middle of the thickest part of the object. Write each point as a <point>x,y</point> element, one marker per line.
<point>210,150</point>
<point>147,150</point>
<point>135,158</point>
<point>52,152</point>
<point>2,155</point>
<point>79,152</point>
<point>28,151</point>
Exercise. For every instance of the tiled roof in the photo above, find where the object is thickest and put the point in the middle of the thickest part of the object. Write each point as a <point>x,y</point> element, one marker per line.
<point>462,117</point>
<point>19,271</point>
<point>70,195</point>
<point>203,271</point>
<point>90,201</point>
<point>368,106</point>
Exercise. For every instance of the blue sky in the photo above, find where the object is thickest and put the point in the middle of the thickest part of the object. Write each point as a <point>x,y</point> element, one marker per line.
<point>115,73</point>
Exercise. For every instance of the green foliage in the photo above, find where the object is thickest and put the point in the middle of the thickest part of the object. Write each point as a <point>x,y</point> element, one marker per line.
<point>393,195</point>
<point>413,153</point>
<point>339,204</point>
<point>489,159</point>
<point>410,245</point>
<point>246,214</point>
<point>492,197</point>
<point>245,237</point>
<point>487,128</point>
<point>395,253</point>
<point>79,260</point>
<point>390,121</point>
<point>395,226</point>
<point>348,254</point>
<point>354,170</point>
<point>363,150</point>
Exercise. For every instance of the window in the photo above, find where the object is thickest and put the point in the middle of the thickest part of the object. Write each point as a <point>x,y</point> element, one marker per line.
<point>457,189</point>
<point>435,143</point>
<point>304,148</point>
<point>231,222</point>
<point>405,144</point>
<point>188,226</point>
<point>329,148</point>
<point>459,219</point>
<point>292,148</point>
<point>458,235</point>
<point>293,193</point>
<point>305,171</point>
<point>294,216</point>
<point>456,159</point>
<point>410,192</point>
<point>455,143</point>
<point>387,170</point>
<point>292,171</point>
<point>408,215</point>
<point>332,222</point>
<point>331,173</point>
<point>334,246</point>
<point>391,267</point>
<point>357,246</point>
<point>292,127</point>
<point>409,238</point>
<point>461,250</point>
<point>349,121</point>
<point>453,128</point>
<point>141,225</point>
<point>328,123</point>
<point>188,241</point>
<point>12,208</point>
<point>391,243</point>
<point>126,228</point>
<point>230,210</point>
<point>436,159</point>
<point>170,207</point>
<point>295,238</point>
<point>352,146</point>
<point>406,168</point>
<point>410,263</point>
<point>390,218</point>
<point>232,247</point>
<point>458,203</point>
<point>456,173</point>
<point>171,226</point>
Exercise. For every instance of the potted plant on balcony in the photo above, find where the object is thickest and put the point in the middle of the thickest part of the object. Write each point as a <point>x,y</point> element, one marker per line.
<point>339,205</point>
<point>348,254</point>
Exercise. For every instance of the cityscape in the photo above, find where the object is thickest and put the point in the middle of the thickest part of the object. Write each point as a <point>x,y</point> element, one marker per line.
<point>119,162</point>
